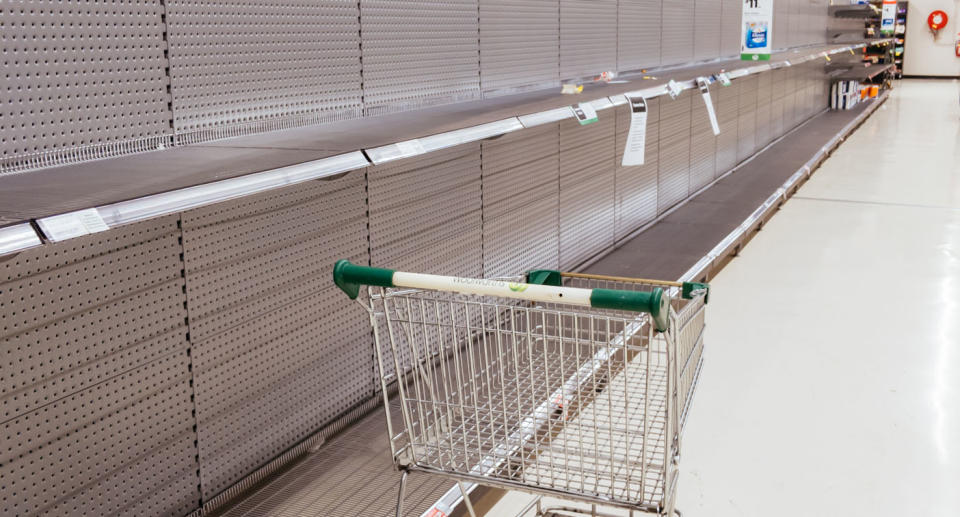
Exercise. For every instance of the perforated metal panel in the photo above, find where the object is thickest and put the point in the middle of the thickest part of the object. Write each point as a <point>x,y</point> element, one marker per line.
<point>237,64</point>
<point>636,186</point>
<point>521,173</point>
<point>708,23</point>
<point>677,33</point>
<point>730,14</point>
<point>764,96</point>
<point>95,378</point>
<point>280,351</point>
<point>747,143</point>
<point>703,146</point>
<point>795,22</point>
<point>777,127</point>
<point>519,42</point>
<point>728,117</point>
<point>674,174</point>
<point>67,86</point>
<point>426,215</point>
<point>638,34</point>
<point>789,98</point>
<point>587,178</point>
<point>417,53</point>
<point>588,37</point>
<point>781,24</point>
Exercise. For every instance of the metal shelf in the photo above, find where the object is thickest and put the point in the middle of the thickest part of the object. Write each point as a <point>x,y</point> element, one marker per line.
<point>132,188</point>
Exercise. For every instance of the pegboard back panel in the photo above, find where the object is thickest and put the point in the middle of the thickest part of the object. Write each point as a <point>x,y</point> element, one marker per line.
<point>521,239</point>
<point>674,172</point>
<point>703,146</point>
<point>95,380</point>
<point>235,65</point>
<point>707,29</point>
<point>521,173</point>
<point>520,168</point>
<point>731,12</point>
<point>426,217</point>
<point>677,34</point>
<point>417,53</point>
<point>270,330</point>
<point>764,97</point>
<point>636,185</point>
<point>638,34</point>
<point>781,24</point>
<point>587,195</point>
<point>748,117</point>
<point>84,80</point>
<point>518,45</point>
<point>408,232</point>
<point>728,117</point>
<point>588,37</point>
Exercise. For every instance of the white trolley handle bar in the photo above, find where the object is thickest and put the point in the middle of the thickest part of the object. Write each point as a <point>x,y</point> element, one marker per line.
<point>349,277</point>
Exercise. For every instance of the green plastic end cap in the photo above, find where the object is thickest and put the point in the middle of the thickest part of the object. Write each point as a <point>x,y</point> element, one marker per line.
<point>655,302</point>
<point>545,277</point>
<point>692,289</point>
<point>349,277</point>
<point>660,309</point>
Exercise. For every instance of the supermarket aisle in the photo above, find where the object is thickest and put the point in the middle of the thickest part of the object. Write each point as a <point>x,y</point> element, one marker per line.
<point>832,381</point>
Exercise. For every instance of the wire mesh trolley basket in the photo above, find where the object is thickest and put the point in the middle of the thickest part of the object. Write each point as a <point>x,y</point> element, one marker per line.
<point>561,384</point>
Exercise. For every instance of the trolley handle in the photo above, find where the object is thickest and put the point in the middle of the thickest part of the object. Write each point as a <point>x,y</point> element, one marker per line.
<point>688,290</point>
<point>349,277</point>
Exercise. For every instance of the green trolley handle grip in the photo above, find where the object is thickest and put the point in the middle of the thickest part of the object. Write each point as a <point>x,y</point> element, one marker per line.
<point>349,277</point>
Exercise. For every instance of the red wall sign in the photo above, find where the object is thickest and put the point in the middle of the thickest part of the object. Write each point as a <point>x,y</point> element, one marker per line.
<point>937,20</point>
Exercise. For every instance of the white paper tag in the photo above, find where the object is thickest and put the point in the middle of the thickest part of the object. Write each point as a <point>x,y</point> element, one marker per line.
<point>787,63</point>
<point>633,153</point>
<point>410,148</point>
<point>724,79</point>
<point>674,89</point>
<point>75,224</point>
<point>585,113</point>
<point>705,92</point>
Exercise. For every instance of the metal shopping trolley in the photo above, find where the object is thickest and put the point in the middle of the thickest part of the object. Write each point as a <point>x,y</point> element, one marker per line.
<point>561,384</point>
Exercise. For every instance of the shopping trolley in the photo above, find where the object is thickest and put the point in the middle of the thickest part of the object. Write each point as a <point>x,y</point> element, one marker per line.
<point>560,384</point>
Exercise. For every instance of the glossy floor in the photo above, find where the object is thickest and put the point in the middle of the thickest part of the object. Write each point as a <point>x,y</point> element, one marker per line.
<point>832,378</point>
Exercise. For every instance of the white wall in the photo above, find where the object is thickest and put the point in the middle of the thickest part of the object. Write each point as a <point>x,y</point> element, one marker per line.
<point>923,55</point>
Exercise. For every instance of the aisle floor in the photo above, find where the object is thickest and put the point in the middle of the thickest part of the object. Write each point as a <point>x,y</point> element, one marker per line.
<point>832,376</point>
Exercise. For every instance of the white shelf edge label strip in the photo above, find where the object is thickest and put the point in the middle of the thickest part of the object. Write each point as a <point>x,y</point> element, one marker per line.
<point>410,148</point>
<point>157,205</point>
<point>545,117</point>
<point>18,238</point>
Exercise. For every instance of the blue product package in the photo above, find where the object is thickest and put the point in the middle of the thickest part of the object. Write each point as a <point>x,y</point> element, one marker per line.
<point>757,35</point>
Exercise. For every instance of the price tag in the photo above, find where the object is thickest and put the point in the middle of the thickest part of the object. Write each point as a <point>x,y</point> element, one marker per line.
<point>585,113</point>
<point>705,92</point>
<point>724,79</point>
<point>74,224</point>
<point>674,89</point>
<point>633,153</point>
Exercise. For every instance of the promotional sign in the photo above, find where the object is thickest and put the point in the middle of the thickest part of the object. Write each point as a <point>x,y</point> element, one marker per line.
<point>633,153</point>
<point>756,36</point>
<point>888,16</point>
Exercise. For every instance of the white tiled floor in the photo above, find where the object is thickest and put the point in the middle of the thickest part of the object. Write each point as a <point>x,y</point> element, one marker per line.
<point>832,377</point>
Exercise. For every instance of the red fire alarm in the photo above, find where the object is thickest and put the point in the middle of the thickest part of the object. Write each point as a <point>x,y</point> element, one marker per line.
<point>937,20</point>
